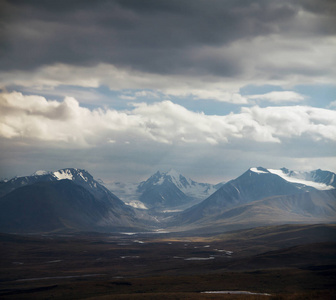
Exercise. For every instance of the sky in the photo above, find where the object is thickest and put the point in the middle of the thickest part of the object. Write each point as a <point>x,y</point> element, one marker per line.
<point>209,88</point>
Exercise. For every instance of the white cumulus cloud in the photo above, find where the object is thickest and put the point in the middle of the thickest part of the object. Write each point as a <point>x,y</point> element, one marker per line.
<point>36,118</point>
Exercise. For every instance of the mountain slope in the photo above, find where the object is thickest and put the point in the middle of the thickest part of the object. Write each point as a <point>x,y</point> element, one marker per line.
<point>256,184</point>
<point>56,194</point>
<point>312,207</point>
<point>308,207</point>
<point>251,186</point>
<point>56,205</point>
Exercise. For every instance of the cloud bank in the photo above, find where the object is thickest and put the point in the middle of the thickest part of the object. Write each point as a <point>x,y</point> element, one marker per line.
<point>128,32</point>
<point>36,118</point>
<point>206,50</point>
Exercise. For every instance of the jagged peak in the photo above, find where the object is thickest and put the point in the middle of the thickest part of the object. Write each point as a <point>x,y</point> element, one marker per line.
<point>69,173</point>
<point>65,173</point>
<point>172,176</point>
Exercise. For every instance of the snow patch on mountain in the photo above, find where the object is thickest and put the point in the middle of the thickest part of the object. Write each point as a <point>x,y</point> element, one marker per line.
<point>301,178</point>
<point>63,174</point>
<point>315,179</point>
<point>84,178</point>
<point>160,181</point>
<point>136,204</point>
<point>257,170</point>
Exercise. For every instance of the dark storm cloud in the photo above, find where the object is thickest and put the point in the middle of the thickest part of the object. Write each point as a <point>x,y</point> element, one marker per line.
<point>152,36</point>
<point>323,7</point>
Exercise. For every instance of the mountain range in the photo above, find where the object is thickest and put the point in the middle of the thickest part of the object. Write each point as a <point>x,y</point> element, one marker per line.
<point>71,199</point>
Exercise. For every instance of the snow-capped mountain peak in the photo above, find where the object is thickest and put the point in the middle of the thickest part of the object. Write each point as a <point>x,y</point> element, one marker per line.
<point>172,176</point>
<point>179,180</point>
<point>259,170</point>
<point>318,179</point>
<point>73,174</point>
<point>160,178</point>
<point>173,188</point>
<point>67,173</point>
<point>78,176</point>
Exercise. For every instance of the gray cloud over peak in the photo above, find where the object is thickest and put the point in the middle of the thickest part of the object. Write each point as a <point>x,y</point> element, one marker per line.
<point>150,36</point>
<point>323,7</point>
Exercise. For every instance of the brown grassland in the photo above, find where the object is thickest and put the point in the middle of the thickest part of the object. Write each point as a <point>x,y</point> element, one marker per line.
<point>286,262</point>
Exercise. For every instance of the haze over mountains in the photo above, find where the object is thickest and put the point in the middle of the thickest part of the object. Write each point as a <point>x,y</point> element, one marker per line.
<point>71,199</point>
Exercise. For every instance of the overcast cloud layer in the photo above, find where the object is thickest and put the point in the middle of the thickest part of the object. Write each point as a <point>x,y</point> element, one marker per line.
<point>210,88</point>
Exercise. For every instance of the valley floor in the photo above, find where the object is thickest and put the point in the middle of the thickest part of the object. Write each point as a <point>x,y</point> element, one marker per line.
<point>280,262</point>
